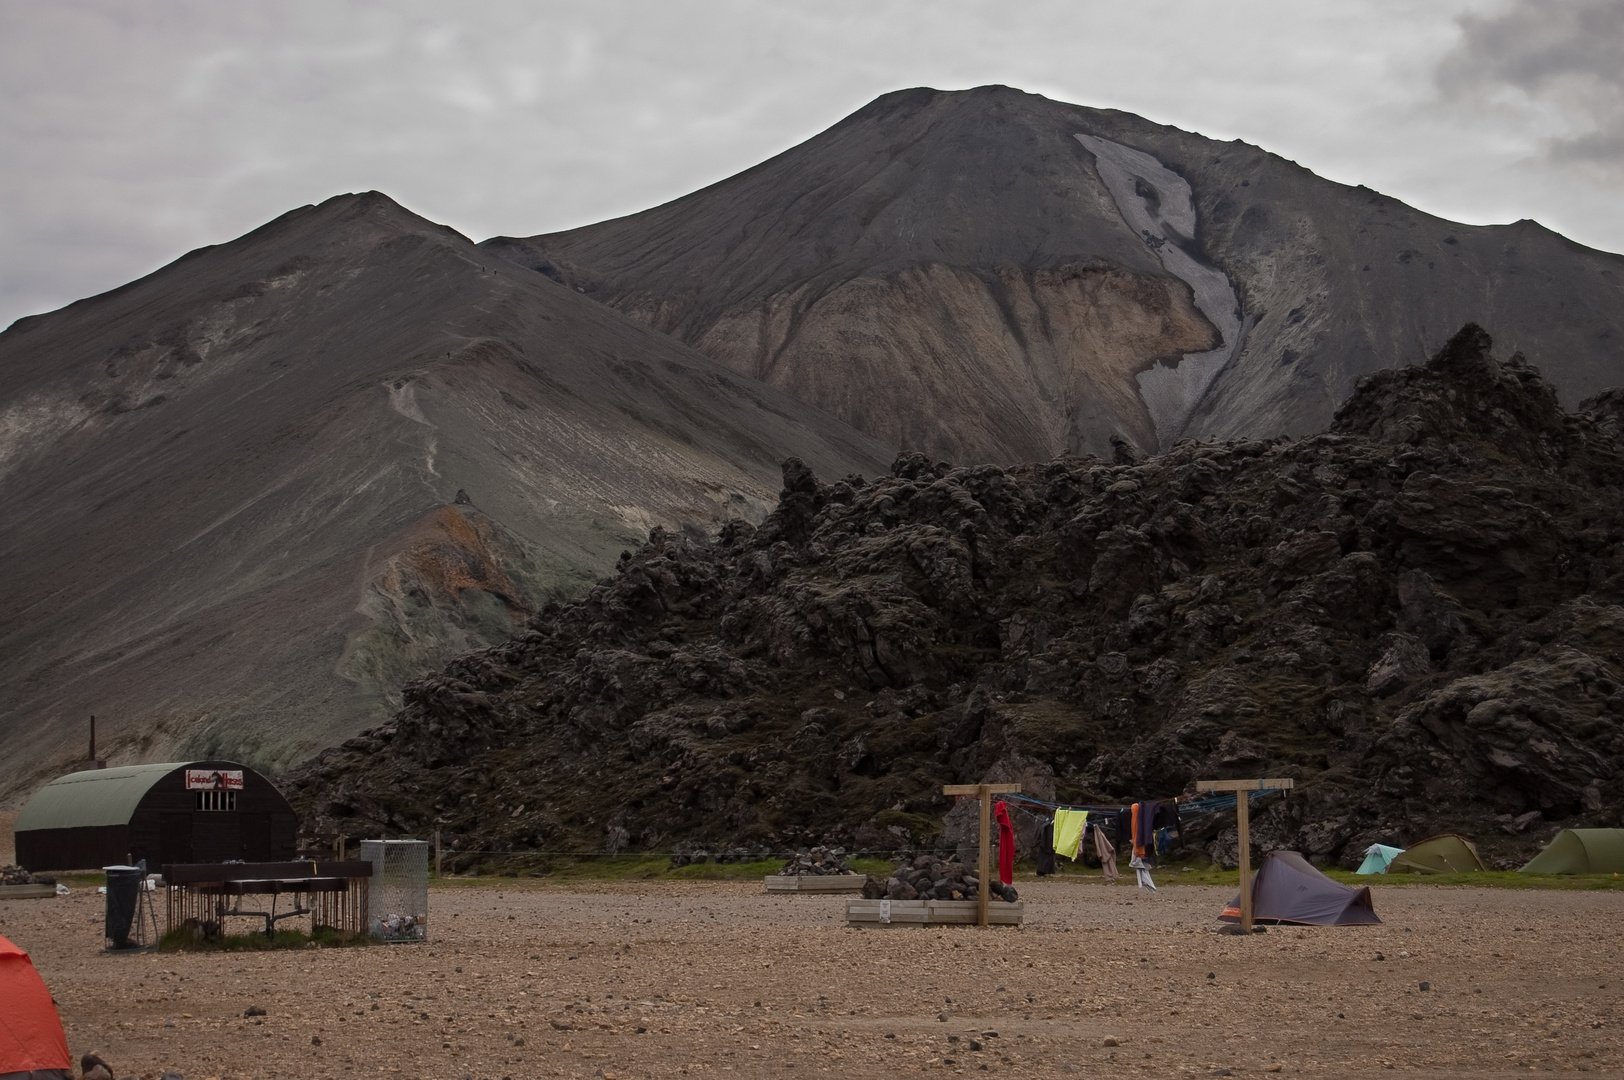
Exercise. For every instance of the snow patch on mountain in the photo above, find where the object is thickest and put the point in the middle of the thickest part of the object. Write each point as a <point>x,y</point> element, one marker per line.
<point>1156,202</point>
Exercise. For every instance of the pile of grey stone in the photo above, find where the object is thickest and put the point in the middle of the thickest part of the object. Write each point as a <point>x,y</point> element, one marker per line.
<point>16,875</point>
<point>930,877</point>
<point>819,861</point>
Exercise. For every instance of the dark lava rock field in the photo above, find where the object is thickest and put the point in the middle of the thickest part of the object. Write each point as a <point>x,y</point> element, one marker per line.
<point>1418,614</point>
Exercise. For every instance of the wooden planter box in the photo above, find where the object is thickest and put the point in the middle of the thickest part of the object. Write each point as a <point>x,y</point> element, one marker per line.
<point>815,883</point>
<point>26,892</point>
<point>930,913</point>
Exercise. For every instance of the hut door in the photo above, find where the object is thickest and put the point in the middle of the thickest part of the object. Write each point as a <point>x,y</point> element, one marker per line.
<point>216,837</point>
<point>284,830</point>
<point>256,837</point>
<point>175,840</point>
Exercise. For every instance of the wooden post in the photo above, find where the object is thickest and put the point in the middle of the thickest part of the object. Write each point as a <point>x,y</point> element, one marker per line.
<point>983,855</point>
<point>437,851</point>
<point>983,794</point>
<point>1243,829</point>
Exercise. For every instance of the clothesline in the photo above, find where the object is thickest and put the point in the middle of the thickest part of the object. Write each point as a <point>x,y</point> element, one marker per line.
<point>1070,824</point>
<point>1062,806</point>
<point>1194,807</point>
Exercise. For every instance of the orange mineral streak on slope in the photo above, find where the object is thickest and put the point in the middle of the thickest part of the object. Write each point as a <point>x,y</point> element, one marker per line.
<point>449,551</point>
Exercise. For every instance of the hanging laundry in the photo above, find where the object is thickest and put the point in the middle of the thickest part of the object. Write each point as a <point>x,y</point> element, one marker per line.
<point>1068,831</point>
<point>1167,817</point>
<point>1142,868</point>
<point>1046,849</point>
<point>1107,853</point>
<point>1124,829</point>
<point>1144,828</point>
<point>1006,843</point>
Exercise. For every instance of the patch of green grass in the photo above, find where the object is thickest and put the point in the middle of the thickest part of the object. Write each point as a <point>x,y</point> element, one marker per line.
<point>1485,879</point>
<point>1211,874</point>
<point>880,868</point>
<point>325,937</point>
<point>1165,874</point>
<point>741,871</point>
<point>655,866</point>
<point>644,866</point>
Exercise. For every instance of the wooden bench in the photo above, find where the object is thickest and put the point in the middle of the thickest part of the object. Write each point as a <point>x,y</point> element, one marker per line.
<point>26,892</point>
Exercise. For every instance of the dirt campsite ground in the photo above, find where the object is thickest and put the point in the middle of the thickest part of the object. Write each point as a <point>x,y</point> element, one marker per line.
<point>667,979</point>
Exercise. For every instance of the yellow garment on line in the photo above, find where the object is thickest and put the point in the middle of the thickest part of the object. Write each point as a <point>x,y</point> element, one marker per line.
<point>1068,832</point>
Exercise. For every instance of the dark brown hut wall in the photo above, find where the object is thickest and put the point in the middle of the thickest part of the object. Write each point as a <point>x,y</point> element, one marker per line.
<point>72,849</point>
<point>166,826</point>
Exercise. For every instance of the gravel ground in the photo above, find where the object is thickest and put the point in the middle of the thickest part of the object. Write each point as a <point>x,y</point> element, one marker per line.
<point>656,980</point>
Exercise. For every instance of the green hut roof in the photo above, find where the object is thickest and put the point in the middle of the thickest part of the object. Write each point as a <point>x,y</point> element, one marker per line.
<point>92,797</point>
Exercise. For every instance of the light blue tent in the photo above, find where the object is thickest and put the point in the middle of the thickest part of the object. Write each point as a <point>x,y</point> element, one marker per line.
<point>1377,856</point>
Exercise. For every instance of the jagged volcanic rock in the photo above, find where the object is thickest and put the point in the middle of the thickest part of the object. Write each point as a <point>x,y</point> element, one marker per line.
<point>1418,613</point>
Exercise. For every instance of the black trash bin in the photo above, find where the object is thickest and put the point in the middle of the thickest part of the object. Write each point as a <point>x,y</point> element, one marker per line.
<point>124,884</point>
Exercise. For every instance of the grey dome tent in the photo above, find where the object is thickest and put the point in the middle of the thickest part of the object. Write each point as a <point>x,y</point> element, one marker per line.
<point>1288,889</point>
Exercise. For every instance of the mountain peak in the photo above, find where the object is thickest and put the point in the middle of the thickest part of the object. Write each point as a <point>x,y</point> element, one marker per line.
<point>987,274</point>
<point>920,96</point>
<point>347,216</point>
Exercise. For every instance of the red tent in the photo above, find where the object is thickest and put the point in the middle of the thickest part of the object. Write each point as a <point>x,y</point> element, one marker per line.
<point>31,1038</point>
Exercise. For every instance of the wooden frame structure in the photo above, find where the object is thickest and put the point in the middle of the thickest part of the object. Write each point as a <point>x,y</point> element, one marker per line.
<point>26,892</point>
<point>881,913</point>
<point>333,894</point>
<point>983,793</point>
<point>1243,826</point>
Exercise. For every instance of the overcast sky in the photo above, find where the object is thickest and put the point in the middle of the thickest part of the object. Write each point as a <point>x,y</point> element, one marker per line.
<point>133,132</point>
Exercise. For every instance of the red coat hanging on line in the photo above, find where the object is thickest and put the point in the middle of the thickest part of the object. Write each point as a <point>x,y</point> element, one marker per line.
<point>1006,843</point>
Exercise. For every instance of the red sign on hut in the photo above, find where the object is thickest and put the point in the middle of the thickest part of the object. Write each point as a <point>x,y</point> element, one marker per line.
<point>213,779</point>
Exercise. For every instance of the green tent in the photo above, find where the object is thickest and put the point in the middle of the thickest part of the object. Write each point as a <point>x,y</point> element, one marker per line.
<point>1377,856</point>
<point>1447,854</point>
<point>1581,851</point>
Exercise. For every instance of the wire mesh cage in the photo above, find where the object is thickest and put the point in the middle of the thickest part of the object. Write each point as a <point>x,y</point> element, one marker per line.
<point>399,893</point>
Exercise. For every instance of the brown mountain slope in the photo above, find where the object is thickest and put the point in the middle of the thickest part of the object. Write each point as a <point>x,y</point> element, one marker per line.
<point>960,273</point>
<point>250,494</point>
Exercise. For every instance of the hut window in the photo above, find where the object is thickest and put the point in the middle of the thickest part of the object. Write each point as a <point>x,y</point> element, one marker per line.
<point>216,800</point>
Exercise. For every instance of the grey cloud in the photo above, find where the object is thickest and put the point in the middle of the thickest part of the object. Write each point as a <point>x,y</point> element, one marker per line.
<point>1566,57</point>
